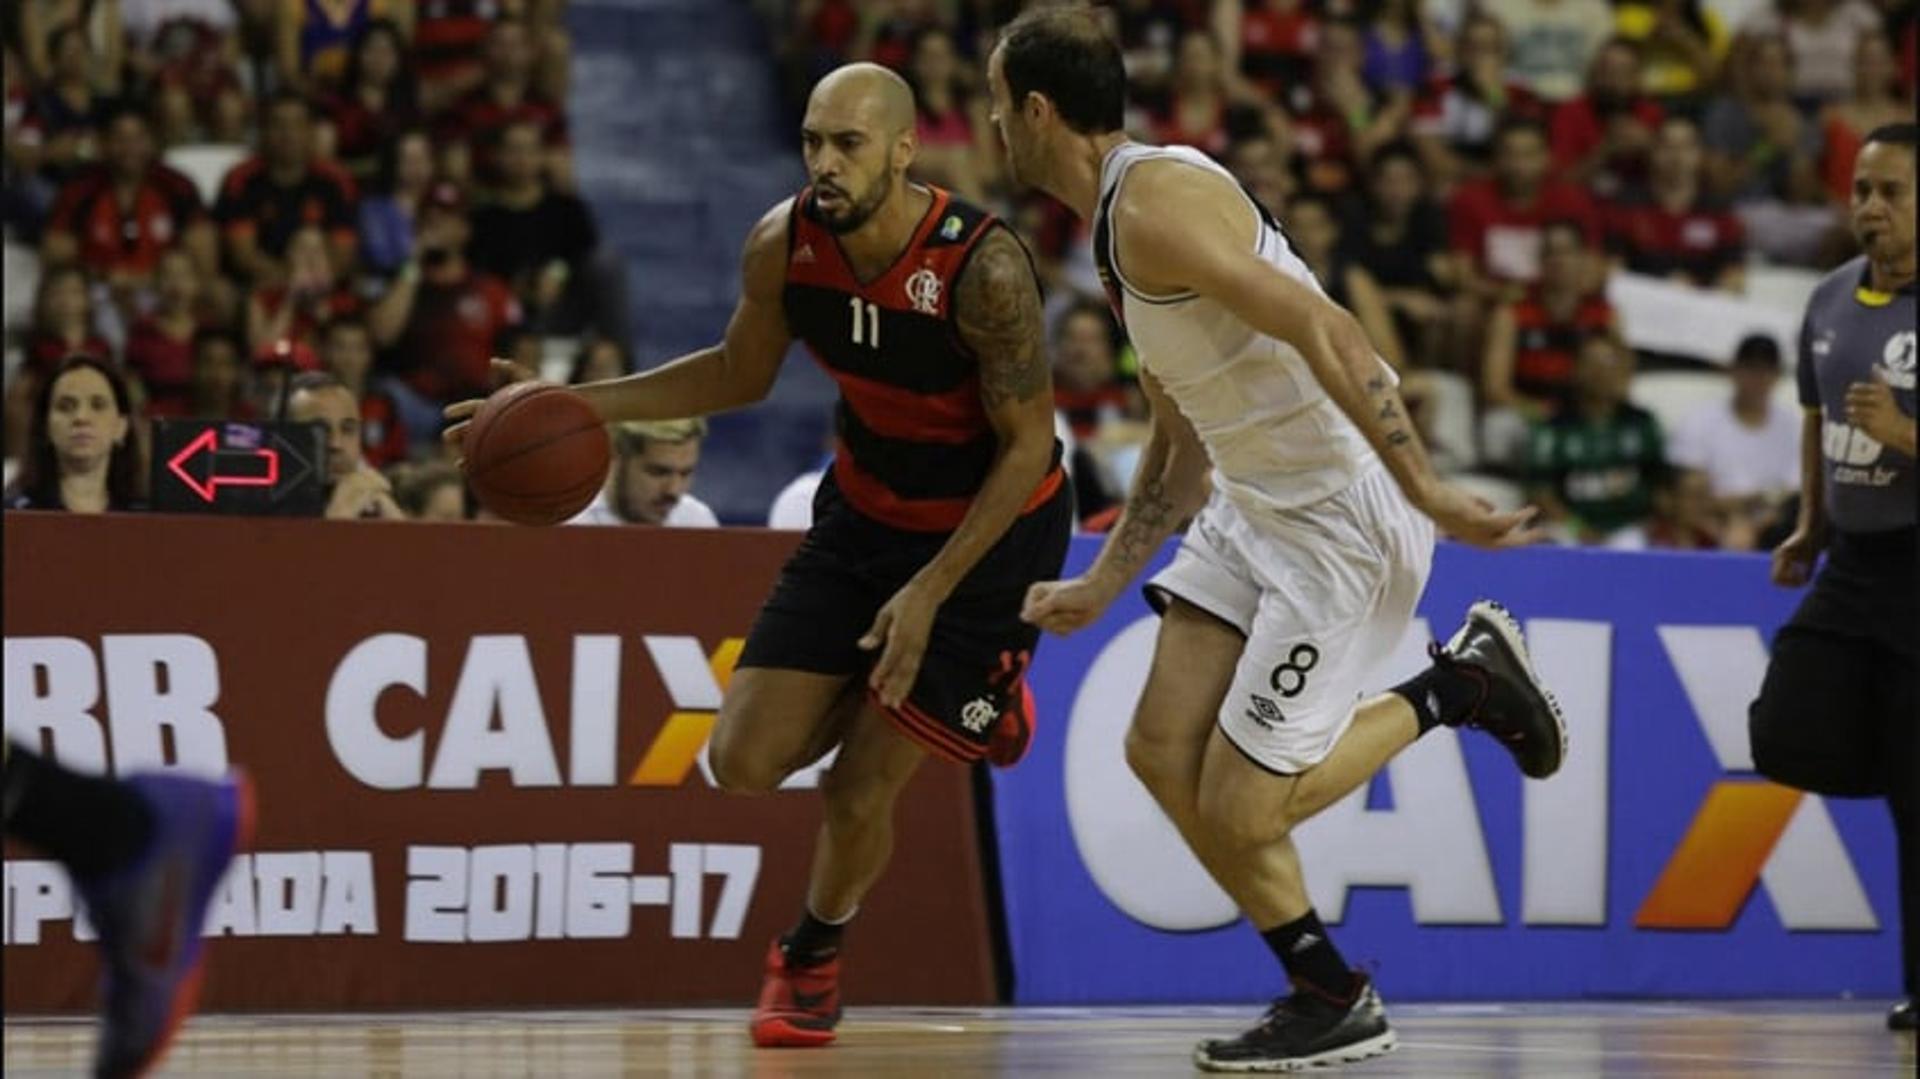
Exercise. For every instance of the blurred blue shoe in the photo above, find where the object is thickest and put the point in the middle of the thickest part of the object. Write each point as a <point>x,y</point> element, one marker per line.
<point>150,914</point>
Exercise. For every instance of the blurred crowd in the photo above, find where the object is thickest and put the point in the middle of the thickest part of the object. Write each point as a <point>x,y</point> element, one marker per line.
<point>246,209</point>
<point>339,209</point>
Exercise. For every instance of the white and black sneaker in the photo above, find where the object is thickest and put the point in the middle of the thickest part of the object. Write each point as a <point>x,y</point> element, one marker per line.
<point>1305,1030</point>
<point>1514,705</point>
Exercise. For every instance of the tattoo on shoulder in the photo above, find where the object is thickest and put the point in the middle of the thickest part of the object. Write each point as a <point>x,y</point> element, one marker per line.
<point>997,310</point>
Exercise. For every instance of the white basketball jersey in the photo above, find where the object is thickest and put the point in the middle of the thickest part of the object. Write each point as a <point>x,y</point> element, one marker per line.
<point>1276,440</point>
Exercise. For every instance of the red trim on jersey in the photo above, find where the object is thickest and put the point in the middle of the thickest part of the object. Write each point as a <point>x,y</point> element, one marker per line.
<point>954,417</point>
<point>878,501</point>
<point>830,268</point>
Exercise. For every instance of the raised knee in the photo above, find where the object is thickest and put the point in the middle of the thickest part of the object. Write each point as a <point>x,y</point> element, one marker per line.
<point>738,770</point>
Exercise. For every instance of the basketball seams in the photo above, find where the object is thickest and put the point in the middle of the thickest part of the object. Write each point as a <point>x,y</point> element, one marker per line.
<point>514,480</point>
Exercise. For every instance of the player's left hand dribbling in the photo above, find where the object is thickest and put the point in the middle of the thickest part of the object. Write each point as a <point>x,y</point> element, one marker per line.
<point>460,413</point>
<point>900,631</point>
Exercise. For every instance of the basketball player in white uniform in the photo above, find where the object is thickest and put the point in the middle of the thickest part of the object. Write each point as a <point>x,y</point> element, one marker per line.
<point>1300,572</point>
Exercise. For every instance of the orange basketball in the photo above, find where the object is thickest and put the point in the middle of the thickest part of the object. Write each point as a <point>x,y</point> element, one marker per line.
<point>536,453</point>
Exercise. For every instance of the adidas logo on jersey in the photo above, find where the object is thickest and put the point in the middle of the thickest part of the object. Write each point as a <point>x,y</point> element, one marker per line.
<point>803,254</point>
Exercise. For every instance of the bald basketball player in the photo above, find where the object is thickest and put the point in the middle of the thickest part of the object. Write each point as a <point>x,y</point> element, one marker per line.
<point>895,630</point>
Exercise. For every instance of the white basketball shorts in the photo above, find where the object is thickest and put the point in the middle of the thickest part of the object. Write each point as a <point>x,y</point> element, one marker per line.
<point>1323,593</point>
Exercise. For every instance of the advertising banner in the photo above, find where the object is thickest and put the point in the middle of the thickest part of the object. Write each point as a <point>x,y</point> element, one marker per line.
<point>480,758</point>
<point>1654,864</point>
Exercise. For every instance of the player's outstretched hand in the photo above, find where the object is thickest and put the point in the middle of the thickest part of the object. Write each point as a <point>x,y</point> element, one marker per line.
<point>900,631</point>
<point>460,413</point>
<point>1063,607</point>
<point>1793,559</point>
<point>1472,519</point>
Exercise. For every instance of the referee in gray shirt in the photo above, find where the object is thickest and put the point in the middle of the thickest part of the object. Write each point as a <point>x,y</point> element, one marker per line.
<point>1836,714</point>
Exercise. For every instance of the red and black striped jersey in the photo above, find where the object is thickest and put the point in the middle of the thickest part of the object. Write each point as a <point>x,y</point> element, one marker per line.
<point>914,443</point>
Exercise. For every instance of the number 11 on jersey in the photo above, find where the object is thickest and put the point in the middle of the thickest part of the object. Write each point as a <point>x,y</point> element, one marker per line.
<point>871,313</point>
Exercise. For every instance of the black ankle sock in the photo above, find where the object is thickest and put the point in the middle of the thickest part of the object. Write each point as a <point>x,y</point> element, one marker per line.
<point>86,823</point>
<point>812,940</point>
<point>1442,695</point>
<point>1312,962</point>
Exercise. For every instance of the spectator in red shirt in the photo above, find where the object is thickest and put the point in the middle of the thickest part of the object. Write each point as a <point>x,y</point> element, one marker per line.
<point>1277,43</point>
<point>375,103</point>
<point>509,95</point>
<point>115,219</point>
<point>448,38</point>
<point>1603,137</point>
<point>63,322</point>
<point>1338,120</point>
<point>1534,343</point>
<point>187,61</point>
<point>346,352</point>
<point>1878,99</point>
<point>441,318</point>
<point>957,150</point>
<point>266,199</point>
<point>62,327</point>
<point>1206,105</point>
<point>160,344</point>
<point>313,295</point>
<point>1495,223</point>
<point>1672,228</point>
<point>1456,116</point>
<point>1088,393</point>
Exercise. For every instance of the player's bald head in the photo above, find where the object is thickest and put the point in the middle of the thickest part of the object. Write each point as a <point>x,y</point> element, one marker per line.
<point>862,95</point>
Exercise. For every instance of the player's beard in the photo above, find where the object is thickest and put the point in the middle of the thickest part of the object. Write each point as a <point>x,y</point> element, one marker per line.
<point>857,212</point>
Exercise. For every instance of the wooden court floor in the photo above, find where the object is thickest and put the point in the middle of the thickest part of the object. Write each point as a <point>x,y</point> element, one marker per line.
<point>1689,1040</point>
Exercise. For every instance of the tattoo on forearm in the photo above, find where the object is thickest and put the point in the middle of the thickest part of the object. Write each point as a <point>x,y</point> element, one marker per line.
<point>997,309</point>
<point>1145,523</point>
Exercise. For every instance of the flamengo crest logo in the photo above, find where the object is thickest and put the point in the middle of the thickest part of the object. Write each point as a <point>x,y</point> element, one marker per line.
<point>923,291</point>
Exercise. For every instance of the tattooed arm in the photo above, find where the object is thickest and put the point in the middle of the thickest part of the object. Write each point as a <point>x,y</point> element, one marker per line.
<point>997,311</point>
<point>1209,248</point>
<point>1169,486</point>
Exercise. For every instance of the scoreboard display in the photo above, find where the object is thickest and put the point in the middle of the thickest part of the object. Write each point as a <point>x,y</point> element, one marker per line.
<point>265,468</point>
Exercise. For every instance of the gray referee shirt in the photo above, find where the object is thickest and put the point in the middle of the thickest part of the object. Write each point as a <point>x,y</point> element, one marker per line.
<point>1851,332</point>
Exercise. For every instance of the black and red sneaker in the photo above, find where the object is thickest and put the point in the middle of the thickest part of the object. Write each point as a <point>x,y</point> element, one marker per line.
<point>799,1004</point>
<point>1514,705</point>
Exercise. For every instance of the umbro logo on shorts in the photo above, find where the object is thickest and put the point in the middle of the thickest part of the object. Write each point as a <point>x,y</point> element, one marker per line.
<point>1265,712</point>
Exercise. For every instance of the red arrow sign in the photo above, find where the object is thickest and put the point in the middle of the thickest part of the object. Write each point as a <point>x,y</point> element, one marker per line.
<point>207,488</point>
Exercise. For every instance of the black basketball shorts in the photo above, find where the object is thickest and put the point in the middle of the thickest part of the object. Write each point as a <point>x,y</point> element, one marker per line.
<point>850,565</point>
<point>1836,712</point>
